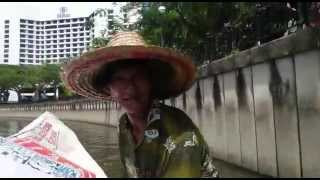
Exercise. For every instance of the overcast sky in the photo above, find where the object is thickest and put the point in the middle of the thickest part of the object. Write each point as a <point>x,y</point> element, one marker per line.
<point>48,10</point>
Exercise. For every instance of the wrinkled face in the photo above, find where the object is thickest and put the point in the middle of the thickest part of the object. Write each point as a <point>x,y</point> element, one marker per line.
<point>131,88</point>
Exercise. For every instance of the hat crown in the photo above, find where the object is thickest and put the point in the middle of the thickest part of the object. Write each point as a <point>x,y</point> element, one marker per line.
<point>126,39</point>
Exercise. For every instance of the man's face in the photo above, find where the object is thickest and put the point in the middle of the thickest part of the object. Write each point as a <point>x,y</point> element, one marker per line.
<point>131,88</point>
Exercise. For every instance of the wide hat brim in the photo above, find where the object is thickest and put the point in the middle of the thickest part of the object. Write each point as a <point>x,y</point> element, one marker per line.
<point>78,75</point>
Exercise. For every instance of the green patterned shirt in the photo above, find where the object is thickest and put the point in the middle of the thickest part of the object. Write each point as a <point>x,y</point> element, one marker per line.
<point>172,146</point>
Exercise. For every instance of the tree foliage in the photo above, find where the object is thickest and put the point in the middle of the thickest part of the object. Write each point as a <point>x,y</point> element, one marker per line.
<point>211,30</point>
<point>28,77</point>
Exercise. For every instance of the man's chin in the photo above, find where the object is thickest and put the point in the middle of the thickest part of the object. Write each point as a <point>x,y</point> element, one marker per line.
<point>133,109</point>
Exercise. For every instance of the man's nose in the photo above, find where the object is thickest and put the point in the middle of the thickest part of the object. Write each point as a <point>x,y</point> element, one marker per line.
<point>129,86</point>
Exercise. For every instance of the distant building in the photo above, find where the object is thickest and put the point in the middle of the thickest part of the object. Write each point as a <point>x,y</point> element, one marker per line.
<point>29,41</point>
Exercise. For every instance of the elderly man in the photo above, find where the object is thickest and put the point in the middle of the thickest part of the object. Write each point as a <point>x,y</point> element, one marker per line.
<point>155,140</point>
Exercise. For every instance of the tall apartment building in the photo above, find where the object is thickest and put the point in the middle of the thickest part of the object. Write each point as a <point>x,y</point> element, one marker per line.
<point>29,41</point>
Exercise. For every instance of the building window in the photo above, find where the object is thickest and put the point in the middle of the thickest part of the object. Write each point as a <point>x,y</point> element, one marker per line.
<point>30,56</point>
<point>30,36</point>
<point>61,21</point>
<point>6,31</point>
<point>6,56</point>
<point>30,61</point>
<point>6,36</point>
<point>68,50</point>
<point>6,26</point>
<point>6,60</point>
<point>6,22</point>
<point>30,51</point>
<point>30,27</point>
<point>6,51</point>
<point>51,27</point>
<point>67,40</point>
<point>22,60</point>
<point>30,46</point>
<point>22,21</point>
<point>37,61</point>
<point>6,41</point>
<point>6,46</point>
<point>67,45</point>
<point>64,25</point>
<point>30,41</point>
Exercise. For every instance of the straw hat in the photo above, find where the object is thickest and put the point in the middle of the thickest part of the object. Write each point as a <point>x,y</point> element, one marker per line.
<point>171,72</point>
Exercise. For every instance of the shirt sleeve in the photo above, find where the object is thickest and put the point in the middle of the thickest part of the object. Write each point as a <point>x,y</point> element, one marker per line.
<point>188,156</point>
